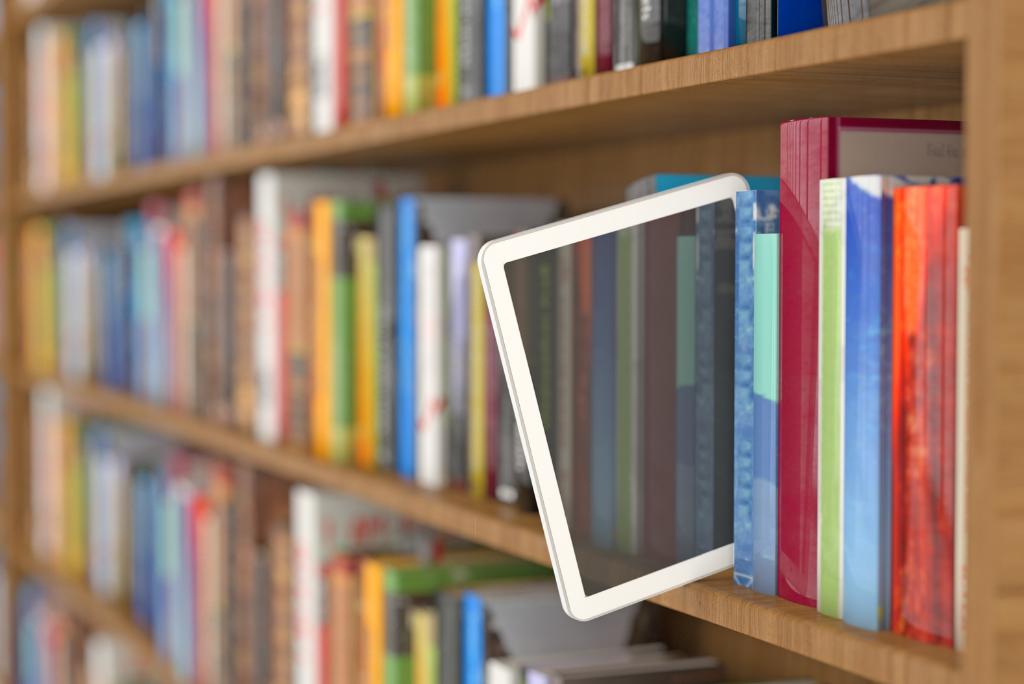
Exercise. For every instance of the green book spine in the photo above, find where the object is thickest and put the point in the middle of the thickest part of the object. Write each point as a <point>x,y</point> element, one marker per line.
<point>691,27</point>
<point>624,395</point>
<point>430,579</point>
<point>418,72</point>
<point>832,279</point>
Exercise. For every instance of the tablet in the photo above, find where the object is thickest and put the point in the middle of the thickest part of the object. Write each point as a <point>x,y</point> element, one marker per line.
<point>615,330</point>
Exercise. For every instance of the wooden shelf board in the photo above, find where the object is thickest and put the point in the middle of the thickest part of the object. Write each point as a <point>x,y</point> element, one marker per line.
<point>882,657</point>
<point>904,59</point>
<point>76,598</point>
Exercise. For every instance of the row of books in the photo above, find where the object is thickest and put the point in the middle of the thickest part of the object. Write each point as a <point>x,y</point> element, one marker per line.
<point>186,78</point>
<point>240,577</point>
<point>52,646</point>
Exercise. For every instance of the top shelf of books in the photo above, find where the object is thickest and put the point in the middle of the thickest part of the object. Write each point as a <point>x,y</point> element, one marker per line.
<point>904,59</point>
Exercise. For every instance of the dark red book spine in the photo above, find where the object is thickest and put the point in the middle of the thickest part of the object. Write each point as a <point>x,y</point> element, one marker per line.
<point>583,312</point>
<point>807,156</point>
<point>925,224</point>
<point>605,33</point>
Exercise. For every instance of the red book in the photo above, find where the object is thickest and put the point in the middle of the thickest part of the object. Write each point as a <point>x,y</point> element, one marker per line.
<point>583,311</point>
<point>811,150</point>
<point>342,52</point>
<point>925,223</point>
<point>605,31</point>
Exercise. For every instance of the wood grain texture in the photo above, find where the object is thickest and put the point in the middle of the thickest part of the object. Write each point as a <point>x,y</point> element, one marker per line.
<point>882,657</point>
<point>83,605</point>
<point>899,60</point>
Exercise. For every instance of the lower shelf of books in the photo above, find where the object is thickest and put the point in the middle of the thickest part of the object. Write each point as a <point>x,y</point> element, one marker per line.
<point>877,656</point>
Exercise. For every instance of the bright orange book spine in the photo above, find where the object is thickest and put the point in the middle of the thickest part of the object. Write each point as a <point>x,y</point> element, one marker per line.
<point>372,604</point>
<point>321,215</point>
<point>445,52</point>
<point>391,56</point>
<point>365,277</point>
<point>39,299</point>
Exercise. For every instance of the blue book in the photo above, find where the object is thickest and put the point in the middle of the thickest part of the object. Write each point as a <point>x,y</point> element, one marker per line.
<point>739,22</point>
<point>799,15</point>
<point>114,288</point>
<point>496,47</point>
<point>766,410</point>
<point>705,21</point>
<point>704,386</point>
<point>723,19</point>
<point>867,485</point>
<point>602,394</point>
<point>171,77</point>
<point>144,496</point>
<point>474,635</point>
<point>134,241</point>
<point>757,212</point>
<point>407,230</point>
<point>659,182</point>
<point>196,84</point>
<point>162,568</point>
<point>686,286</point>
<point>141,86</point>
<point>30,608</point>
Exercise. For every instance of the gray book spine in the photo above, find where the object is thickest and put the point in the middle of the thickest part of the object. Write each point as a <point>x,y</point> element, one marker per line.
<point>506,489</point>
<point>704,462</point>
<point>471,49</point>
<point>650,30</point>
<point>625,45</point>
<point>561,45</point>
<point>725,340</point>
<point>385,226</point>
<point>449,617</point>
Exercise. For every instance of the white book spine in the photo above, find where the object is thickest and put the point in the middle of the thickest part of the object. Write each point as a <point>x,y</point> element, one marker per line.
<point>74,351</point>
<point>502,671</point>
<point>266,227</point>
<point>323,66</point>
<point>527,45</point>
<point>431,399</point>
<point>306,583</point>
<point>963,309</point>
<point>47,468</point>
<point>101,659</point>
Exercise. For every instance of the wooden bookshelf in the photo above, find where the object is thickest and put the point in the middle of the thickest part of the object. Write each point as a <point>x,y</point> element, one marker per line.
<point>903,60</point>
<point>76,598</point>
<point>881,657</point>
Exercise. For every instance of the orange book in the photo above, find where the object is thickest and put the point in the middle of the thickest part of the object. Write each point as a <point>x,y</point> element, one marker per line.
<point>446,52</point>
<point>366,277</point>
<point>341,636</point>
<point>39,299</point>
<point>391,56</point>
<point>321,226</point>
<point>297,330</point>
<point>371,661</point>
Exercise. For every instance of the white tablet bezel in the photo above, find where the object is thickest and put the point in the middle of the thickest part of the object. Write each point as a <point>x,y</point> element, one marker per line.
<point>492,260</point>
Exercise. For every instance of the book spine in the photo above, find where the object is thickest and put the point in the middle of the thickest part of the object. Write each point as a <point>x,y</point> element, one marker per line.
<point>266,230</point>
<point>605,34</point>
<point>625,48</point>
<point>603,392</point>
<point>418,67</point>
<point>692,27</point>
<point>298,52</point>
<point>963,303</point>
<point>766,412</point>
<point>342,388</point>
<point>560,42</point>
<point>831,353</point>
<point>650,30</point>
<point>365,278</point>
<point>446,52</point>
<point>431,399</point>
<point>471,49</point>
<point>298,327</point>
<point>406,236</point>
<point>307,586</point>
<point>795,16</point>
<point>586,37</point>
<point>704,388</point>
<point>743,393</point>
<point>705,25</point>
<point>423,628</point>
<point>458,258</point>
<point>738,22</point>
<point>564,383</point>
<point>478,423</point>
<point>724,335</point>
<point>582,362</point>
<point>474,638</point>
<point>625,456</point>
<point>722,29</point>
<point>321,226</point>
<point>243,383</point>
<point>384,225</point>
<point>325,42</point>
<point>497,416</point>
<point>390,33</point>
<point>449,609</point>
<point>362,60</point>
<point>528,52</point>
<point>496,47</point>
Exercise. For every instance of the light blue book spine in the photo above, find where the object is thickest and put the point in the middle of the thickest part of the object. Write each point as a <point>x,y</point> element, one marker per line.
<point>704,407</point>
<point>686,293</point>
<point>743,393</point>
<point>705,19</point>
<point>406,237</point>
<point>197,78</point>
<point>140,88</point>
<point>496,47</point>
<point>603,397</point>
<point>739,22</point>
<point>162,506</point>
<point>766,411</point>
<point>171,78</point>
<point>474,637</point>
<point>866,539</point>
<point>141,545</point>
<point>722,29</point>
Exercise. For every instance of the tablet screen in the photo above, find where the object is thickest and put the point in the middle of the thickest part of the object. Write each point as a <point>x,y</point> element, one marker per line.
<point>629,341</point>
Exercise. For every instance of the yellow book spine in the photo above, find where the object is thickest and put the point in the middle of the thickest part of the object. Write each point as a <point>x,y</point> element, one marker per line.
<point>39,334</point>
<point>426,668</point>
<point>70,104</point>
<point>74,511</point>
<point>321,225</point>
<point>586,37</point>
<point>366,276</point>
<point>372,595</point>
<point>477,391</point>
<point>392,57</point>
